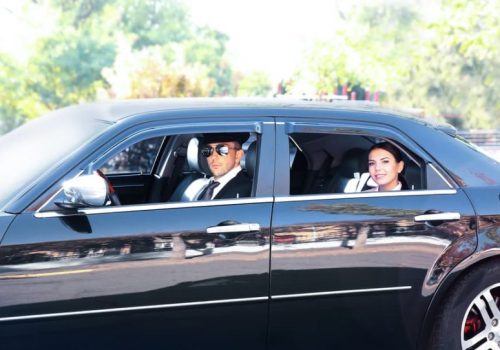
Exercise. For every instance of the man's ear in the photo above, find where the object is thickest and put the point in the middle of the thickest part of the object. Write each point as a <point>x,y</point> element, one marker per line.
<point>239,155</point>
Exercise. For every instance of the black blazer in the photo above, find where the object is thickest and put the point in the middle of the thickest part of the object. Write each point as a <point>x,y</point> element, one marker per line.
<point>238,187</point>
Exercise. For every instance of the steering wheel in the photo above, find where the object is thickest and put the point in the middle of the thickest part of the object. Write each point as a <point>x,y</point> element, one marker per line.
<point>112,195</point>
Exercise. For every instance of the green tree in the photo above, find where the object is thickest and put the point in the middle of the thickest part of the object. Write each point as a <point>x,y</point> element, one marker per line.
<point>19,102</point>
<point>208,47</point>
<point>255,84</point>
<point>443,60</point>
<point>370,47</point>
<point>115,48</point>
<point>70,69</point>
<point>455,71</point>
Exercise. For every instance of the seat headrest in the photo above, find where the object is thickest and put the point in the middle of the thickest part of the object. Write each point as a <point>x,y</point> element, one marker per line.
<point>354,160</point>
<point>196,161</point>
<point>250,160</point>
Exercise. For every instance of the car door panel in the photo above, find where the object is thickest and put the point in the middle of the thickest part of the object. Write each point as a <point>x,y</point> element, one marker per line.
<point>134,260</point>
<point>362,259</point>
<point>132,189</point>
<point>358,270</point>
<point>137,275</point>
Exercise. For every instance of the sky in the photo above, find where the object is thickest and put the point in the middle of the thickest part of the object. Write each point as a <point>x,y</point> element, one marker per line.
<point>267,35</point>
<point>264,35</point>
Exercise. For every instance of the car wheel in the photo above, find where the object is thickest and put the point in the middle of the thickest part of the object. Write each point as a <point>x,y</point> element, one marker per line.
<point>470,316</point>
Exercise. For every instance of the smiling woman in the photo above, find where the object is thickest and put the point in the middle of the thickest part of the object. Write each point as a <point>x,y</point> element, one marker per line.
<point>385,164</point>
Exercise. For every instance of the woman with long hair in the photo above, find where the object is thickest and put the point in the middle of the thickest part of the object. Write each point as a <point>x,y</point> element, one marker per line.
<point>385,164</point>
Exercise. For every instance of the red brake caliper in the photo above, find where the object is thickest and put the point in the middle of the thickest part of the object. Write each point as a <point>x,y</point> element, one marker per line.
<point>472,325</point>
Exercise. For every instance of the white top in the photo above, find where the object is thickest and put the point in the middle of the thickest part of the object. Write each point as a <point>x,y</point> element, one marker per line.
<point>223,180</point>
<point>376,189</point>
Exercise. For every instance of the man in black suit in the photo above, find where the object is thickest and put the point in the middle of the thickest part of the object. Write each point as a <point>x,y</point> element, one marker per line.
<point>224,153</point>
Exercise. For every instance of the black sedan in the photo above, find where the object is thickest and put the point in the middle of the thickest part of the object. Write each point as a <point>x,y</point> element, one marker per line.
<point>105,245</point>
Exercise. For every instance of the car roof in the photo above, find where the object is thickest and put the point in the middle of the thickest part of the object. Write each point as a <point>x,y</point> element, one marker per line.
<point>118,110</point>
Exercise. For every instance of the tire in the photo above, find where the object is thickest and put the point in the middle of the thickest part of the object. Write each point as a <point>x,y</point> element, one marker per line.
<point>470,316</point>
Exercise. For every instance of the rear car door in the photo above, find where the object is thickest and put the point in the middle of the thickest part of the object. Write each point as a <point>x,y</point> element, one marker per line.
<point>357,270</point>
<point>137,275</point>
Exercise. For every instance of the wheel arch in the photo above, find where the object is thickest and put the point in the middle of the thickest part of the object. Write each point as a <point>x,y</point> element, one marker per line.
<point>474,262</point>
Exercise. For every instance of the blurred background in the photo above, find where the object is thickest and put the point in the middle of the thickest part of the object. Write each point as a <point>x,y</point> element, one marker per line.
<point>438,58</point>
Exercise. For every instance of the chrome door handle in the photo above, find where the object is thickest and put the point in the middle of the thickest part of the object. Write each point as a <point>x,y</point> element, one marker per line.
<point>438,217</point>
<point>234,228</point>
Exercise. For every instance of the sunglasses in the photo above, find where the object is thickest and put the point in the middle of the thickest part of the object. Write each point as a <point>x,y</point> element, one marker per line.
<point>221,149</point>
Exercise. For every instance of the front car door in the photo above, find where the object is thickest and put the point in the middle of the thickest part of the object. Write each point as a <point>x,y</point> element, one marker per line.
<point>357,270</point>
<point>169,273</point>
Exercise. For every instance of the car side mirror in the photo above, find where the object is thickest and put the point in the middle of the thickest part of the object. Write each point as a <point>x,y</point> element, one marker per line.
<point>84,191</point>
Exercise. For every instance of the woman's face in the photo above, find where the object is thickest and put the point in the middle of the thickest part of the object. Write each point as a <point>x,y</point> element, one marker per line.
<point>384,169</point>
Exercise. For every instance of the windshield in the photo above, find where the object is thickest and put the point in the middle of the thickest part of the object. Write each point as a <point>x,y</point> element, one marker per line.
<point>30,150</point>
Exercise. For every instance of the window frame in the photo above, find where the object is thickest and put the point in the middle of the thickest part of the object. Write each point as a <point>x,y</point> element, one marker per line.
<point>148,171</point>
<point>286,127</point>
<point>262,192</point>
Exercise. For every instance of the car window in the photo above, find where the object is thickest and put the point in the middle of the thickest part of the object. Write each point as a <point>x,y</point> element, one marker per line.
<point>137,158</point>
<point>175,168</point>
<point>322,163</point>
<point>184,168</point>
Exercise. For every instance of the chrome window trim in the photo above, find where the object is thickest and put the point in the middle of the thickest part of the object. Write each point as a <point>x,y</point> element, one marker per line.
<point>339,292</point>
<point>300,198</point>
<point>155,206</point>
<point>133,308</point>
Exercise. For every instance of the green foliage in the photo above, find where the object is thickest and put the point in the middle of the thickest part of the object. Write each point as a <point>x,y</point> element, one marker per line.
<point>456,73</point>
<point>441,59</point>
<point>370,49</point>
<point>70,69</point>
<point>19,103</point>
<point>208,47</point>
<point>153,22</point>
<point>255,84</point>
<point>114,49</point>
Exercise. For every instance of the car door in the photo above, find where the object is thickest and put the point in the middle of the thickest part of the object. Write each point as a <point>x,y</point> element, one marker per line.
<point>357,270</point>
<point>171,274</point>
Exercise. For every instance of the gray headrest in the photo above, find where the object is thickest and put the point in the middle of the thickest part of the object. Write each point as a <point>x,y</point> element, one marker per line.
<point>251,159</point>
<point>354,160</point>
<point>192,154</point>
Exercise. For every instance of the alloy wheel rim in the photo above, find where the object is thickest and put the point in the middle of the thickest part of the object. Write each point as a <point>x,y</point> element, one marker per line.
<point>481,323</point>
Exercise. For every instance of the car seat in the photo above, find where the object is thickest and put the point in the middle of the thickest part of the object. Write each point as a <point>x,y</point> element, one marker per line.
<point>354,161</point>
<point>191,186</point>
<point>193,183</point>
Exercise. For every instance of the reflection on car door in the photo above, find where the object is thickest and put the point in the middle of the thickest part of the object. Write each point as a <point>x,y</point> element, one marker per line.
<point>138,276</point>
<point>352,269</point>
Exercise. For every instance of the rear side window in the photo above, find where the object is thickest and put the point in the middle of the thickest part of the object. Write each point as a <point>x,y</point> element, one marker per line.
<point>324,163</point>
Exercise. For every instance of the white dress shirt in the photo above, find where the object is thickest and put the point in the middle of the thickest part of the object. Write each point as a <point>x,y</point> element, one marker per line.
<point>223,180</point>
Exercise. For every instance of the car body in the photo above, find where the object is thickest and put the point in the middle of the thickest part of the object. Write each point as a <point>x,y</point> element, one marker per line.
<point>302,263</point>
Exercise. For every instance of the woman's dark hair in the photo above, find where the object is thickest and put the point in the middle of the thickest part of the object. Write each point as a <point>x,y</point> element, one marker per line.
<point>389,147</point>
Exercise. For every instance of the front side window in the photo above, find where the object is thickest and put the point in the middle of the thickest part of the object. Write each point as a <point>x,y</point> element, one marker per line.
<point>183,169</point>
<point>172,168</point>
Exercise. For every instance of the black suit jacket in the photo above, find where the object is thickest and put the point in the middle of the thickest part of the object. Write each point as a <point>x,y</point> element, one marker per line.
<point>238,187</point>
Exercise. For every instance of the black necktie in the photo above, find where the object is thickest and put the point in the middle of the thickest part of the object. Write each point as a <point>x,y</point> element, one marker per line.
<point>208,191</point>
